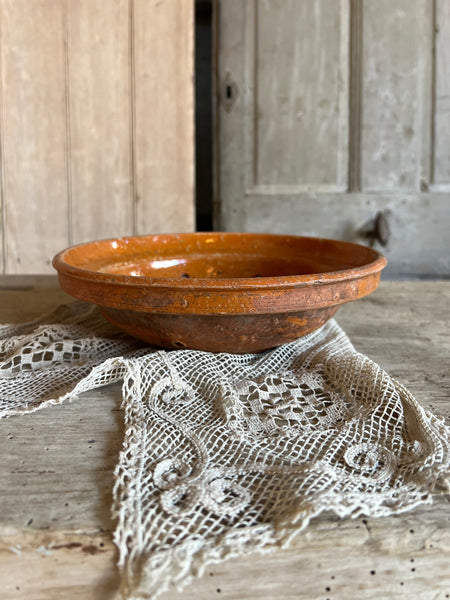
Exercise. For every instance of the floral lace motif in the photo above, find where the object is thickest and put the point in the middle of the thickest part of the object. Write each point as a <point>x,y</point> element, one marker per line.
<point>216,489</point>
<point>282,404</point>
<point>370,461</point>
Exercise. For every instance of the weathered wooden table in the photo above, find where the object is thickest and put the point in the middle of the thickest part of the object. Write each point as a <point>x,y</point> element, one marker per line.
<point>57,464</point>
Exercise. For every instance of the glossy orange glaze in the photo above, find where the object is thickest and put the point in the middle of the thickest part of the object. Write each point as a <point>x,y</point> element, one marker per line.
<point>197,290</point>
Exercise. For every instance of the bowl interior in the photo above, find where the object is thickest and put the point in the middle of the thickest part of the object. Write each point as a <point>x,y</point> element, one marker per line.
<point>217,256</point>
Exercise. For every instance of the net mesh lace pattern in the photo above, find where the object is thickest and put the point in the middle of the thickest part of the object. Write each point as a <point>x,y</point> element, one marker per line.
<point>228,454</point>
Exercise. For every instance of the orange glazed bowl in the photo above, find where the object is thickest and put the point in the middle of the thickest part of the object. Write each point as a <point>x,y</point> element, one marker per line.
<point>220,292</point>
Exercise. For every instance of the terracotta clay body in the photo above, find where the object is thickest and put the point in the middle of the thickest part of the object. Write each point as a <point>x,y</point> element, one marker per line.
<point>230,292</point>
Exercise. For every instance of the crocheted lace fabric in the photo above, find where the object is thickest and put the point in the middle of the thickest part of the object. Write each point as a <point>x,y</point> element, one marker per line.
<point>227,454</point>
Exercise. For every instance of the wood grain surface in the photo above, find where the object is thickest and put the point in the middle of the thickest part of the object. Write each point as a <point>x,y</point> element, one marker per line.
<point>57,475</point>
<point>99,103</point>
<point>96,124</point>
<point>164,115</point>
<point>33,135</point>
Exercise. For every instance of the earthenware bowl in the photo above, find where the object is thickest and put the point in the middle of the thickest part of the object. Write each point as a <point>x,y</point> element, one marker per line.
<point>230,292</point>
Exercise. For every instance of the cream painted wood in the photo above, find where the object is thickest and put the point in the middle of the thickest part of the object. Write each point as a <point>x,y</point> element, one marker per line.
<point>33,134</point>
<point>164,116</point>
<point>99,104</point>
<point>376,147</point>
<point>298,124</point>
<point>57,476</point>
<point>389,132</point>
<point>96,123</point>
<point>441,166</point>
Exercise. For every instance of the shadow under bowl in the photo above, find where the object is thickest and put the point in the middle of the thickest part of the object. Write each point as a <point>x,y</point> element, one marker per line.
<point>219,292</point>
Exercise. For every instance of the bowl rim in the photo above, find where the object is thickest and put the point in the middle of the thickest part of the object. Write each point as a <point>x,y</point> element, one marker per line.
<point>225,283</point>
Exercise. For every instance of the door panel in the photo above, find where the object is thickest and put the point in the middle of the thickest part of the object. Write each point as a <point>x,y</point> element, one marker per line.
<point>441,162</point>
<point>328,113</point>
<point>300,125</point>
<point>390,136</point>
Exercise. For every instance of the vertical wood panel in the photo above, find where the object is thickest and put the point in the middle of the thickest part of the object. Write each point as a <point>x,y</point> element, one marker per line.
<point>355,101</point>
<point>35,189</point>
<point>442,91</point>
<point>298,78</point>
<point>2,173</point>
<point>233,41</point>
<point>164,118</point>
<point>390,133</point>
<point>99,117</point>
<point>425,92</point>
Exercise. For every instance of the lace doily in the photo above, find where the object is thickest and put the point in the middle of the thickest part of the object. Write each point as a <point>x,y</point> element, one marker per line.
<point>227,454</point>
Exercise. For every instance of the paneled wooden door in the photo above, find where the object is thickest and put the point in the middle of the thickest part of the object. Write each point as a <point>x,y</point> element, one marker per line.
<point>330,112</point>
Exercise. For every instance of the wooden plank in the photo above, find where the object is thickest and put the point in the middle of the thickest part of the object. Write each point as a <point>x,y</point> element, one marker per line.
<point>231,45</point>
<point>45,292</point>
<point>2,165</point>
<point>441,163</point>
<point>73,566</point>
<point>300,66</point>
<point>400,557</point>
<point>66,551</point>
<point>164,116</point>
<point>390,134</point>
<point>99,99</point>
<point>366,558</point>
<point>34,134</point>
<point>63,546</point>
<point>38,463</point>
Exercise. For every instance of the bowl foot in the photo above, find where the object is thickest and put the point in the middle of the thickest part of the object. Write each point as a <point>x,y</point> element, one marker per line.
<point>237,334</point>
